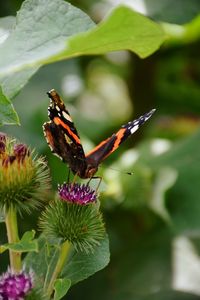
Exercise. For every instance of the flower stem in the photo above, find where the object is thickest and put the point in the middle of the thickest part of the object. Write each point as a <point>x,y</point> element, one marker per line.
<point>13,237</point>
<point>64,253</point>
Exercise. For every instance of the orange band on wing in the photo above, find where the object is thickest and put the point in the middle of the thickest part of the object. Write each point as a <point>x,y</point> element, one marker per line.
<point>58,121</point>
<point>97,147</point>
<point>119,135</point>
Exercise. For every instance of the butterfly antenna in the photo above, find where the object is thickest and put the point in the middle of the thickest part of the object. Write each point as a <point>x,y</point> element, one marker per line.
<point>120,171</point>
<point>123,172</point>
<point>129,173</point>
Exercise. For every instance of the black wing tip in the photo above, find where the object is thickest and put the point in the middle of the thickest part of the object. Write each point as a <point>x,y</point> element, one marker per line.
<point>152,111</point>
<point>149,114</point>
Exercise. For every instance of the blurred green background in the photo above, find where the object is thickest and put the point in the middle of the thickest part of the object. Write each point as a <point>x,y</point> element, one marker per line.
<point>153,216</point>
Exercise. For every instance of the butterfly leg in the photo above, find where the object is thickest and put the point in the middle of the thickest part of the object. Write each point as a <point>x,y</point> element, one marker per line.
<point>100,179</point>
<point>68,176</point>
<point>74,179</point>
<point>95,177</point>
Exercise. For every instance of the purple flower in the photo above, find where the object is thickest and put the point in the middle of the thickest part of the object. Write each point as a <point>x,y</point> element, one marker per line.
<point>15,286</point>
<point>77,193</point>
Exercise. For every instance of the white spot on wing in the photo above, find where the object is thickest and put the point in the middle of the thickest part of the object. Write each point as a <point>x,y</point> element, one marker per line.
<point>66,116</point>
<point>57,108</point>
<point>147,118</point>
<point>136,122</point>
<point>134,129</point>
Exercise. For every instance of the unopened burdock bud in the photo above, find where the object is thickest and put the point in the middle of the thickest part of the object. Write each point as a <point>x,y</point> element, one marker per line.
<point>24,177</point>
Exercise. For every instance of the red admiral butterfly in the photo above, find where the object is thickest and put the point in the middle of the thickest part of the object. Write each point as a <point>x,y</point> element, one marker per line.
<point>64,141</point>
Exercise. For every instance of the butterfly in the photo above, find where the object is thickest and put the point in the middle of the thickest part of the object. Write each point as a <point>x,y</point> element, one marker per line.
<point>64,141</point>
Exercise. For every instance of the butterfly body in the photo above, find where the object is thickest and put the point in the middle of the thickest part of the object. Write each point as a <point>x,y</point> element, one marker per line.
<point>64,141</point>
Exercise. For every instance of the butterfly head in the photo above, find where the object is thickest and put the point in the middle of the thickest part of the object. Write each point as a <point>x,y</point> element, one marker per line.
<point>88,172</point>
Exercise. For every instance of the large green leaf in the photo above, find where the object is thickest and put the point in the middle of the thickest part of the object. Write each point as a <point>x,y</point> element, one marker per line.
<point>83,265</point>
<point>123,29</point>
<point>49,31</point>
<point>13,83</point>
<point>45,32</point>
<point>7,113</point>
<point>42,28</point>
<point>6,26</point>
<point>79,266</point>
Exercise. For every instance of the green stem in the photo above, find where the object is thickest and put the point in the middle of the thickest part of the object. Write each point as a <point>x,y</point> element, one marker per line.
<point>64,253</point>
<point>13,237</point>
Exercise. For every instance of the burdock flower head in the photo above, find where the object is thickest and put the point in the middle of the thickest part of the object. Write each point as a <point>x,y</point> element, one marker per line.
<point>24,178</point>
<point>75,217</point>
<point>14,285</point>
<point>76,193</point>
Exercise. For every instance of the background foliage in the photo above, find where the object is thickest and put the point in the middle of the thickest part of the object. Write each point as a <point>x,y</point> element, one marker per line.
<point>153,216</point>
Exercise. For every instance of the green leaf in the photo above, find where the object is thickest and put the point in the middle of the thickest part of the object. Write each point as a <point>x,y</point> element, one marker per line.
<point>79,266</point>
<point>61,287</point>
<point>13,83</point>
<point>26,244</point>
<point>84,265</point>
<point>48,31</point>
<point>42,29</point>
<point>6,26</point>
<point>8,114</point>
<point>123,29</point>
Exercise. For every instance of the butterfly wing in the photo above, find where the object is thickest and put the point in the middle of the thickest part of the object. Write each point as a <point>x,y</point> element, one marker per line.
<point>105,148</point>
<point>62,136</point>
